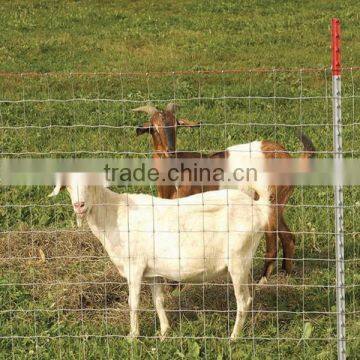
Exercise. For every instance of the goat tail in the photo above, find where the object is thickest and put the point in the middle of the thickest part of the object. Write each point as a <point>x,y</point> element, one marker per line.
<point>308,146</point>
<point>262,196</point>
<point>263,202</point>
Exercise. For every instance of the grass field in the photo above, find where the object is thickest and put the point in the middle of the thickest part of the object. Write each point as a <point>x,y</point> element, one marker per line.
<point>60,297</point>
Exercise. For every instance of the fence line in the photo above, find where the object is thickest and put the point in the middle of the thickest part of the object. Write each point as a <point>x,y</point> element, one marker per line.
<point>317,246</point>
<point>175,73</point>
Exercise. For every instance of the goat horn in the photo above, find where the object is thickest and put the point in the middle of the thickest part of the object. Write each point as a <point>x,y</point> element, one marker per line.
<point>148,109</point>
<point>172,107</point>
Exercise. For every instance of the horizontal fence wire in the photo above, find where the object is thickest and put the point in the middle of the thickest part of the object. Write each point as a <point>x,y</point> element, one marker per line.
<point>177,72</point>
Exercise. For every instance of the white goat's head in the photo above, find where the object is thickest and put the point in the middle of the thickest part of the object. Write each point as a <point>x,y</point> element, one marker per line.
<point>80,188</point>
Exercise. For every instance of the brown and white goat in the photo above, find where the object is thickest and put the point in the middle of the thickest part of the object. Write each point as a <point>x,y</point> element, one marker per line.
<point>162,127</point>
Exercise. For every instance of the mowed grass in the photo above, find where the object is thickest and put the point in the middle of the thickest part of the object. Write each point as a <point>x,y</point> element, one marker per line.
<point>60,297</point>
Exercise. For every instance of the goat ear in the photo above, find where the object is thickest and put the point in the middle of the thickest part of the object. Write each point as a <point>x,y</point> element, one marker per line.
<point>143,129</point>
<point>148,109</point>
<point>56,190</point>
<point>172,107</point>
<point>187,123</point>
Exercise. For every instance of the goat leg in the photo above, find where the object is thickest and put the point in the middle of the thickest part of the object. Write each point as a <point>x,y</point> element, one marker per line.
<point>288,244</point>
<point>271,252</point>
<point>243,302</point>
<point>134,300</point>
<point>158,299</point>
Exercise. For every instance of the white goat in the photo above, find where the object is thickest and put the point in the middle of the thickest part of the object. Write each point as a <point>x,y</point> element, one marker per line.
<point>190,239</point>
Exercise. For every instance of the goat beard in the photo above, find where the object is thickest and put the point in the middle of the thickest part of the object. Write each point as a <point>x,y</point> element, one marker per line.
<point>80,221</point>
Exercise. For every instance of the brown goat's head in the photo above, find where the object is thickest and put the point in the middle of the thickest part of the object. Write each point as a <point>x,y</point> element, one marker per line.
<point>162,127</point>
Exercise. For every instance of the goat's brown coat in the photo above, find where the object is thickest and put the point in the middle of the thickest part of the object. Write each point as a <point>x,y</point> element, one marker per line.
<point>280,193</point>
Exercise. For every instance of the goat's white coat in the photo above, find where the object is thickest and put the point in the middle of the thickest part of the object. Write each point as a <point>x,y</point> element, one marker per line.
<point>252,149</point>
<point>243,156</point>
<point>191,239</point>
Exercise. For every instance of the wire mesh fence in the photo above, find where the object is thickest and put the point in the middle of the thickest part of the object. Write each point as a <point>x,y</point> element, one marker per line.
<point>60,294</point>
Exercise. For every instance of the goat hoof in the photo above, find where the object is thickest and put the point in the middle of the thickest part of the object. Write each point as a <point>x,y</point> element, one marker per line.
<point>263,281</point>
<point>131,337</point>
<point>163,336</point>
<point>234,337</point>
<point>287,267</point>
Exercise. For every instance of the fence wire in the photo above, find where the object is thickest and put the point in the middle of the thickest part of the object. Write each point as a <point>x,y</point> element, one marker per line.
<point>59,291</point>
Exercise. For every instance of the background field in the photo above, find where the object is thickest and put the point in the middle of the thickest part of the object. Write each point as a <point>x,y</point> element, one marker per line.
<point>60,297</point>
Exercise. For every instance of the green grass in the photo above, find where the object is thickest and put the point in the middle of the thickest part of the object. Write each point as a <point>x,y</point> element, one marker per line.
<point>60,297</point>
<point>165,35</point>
